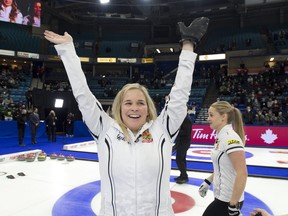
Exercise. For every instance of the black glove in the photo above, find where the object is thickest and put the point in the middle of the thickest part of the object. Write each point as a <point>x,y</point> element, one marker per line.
<point>195,31</point>
<point>233,210</point>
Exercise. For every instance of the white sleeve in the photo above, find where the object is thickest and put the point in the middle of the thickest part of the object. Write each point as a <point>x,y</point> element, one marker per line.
<point>233,144</point>
<point>93,114</point>
<point>175,109</point>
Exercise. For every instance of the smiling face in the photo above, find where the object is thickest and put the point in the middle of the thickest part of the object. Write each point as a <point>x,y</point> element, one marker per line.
<point>216,120</point>
<point>7,3</point>
<point>134,109</point>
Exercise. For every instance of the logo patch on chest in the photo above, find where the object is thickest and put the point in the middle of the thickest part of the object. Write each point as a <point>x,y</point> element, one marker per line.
<point>233,142</point>
<point>147,137</point>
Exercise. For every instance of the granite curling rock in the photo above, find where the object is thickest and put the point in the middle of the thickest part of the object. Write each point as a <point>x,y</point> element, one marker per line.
<point>53,156</point>
<point>61,157</point>
<point>30,157</point>
<point>70,158</point>
<point>42,156</point>
<point>21,157</point>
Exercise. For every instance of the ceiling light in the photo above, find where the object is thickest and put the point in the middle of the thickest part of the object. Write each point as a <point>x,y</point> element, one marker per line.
<point>58,103</point>
<point>104,1</point>
<point>158,51</point>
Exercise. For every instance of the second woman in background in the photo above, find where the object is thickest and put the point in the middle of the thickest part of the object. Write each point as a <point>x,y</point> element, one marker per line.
<point>228,156</point>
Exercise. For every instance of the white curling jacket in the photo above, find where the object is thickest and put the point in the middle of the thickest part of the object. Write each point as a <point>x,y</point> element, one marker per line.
<point>227,141</point>
<point>135,176</point>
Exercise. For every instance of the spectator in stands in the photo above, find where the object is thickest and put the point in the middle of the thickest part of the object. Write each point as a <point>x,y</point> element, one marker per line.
<point>234,101</point>
<point>271,99</point>
<point>280,119</point>
<point>34,17</point>
<point>8,116</point>
<point>4,92</point>
<point>7,101</point>
<point>250,80</point>
<point>255,104</point>
<point>163,82</point>
<point>28,96</point>
<point>34,123</point>
<point>270,117</point>
<point>259,118</point>
<point>51,126</point>
<point>276,107</point>
<point>249,102</point>
<point>9,12</point>
<point>263,104</point>
<point>259,94</point>
<point>284,103</point>
<point>248,116</point>
<point>135,145</point>
<point>192,111</point>
<point>11,83</point>
<point>223,89</point>
<point>21,125</point>
<point>228,157</point>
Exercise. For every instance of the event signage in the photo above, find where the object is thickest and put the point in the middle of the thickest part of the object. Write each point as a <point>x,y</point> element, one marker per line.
<point>221,56</point>
<point>264,136</point>
<point>147,60</point>
<point>7,52</point>
<point>127,60</point>
<point>106,60</point>
<point>28,55</point>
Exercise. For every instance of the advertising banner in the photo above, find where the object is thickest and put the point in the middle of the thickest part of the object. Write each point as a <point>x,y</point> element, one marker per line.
<point>262,136</point>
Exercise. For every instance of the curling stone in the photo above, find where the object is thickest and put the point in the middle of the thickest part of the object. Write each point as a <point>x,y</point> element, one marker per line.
<point>61,157</point>
<point>53,156</point>
<point>70,158</point>
<point>30,157</point>
<point>21,157</point>
<point>42,156</point>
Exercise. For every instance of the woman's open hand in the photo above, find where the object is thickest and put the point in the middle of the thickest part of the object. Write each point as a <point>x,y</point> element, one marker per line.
<point>56,38</point>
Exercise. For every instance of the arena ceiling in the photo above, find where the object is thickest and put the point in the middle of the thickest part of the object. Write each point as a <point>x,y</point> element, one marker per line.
<point>154,11</point>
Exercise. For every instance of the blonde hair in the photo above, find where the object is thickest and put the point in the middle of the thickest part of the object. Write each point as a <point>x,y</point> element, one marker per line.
<point>116,107</point>
<point>234,116</point>
<point>52,113</point>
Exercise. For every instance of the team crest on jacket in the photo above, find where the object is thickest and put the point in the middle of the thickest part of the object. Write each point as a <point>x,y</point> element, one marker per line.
<point>147,137</point>
<point>233,142</point>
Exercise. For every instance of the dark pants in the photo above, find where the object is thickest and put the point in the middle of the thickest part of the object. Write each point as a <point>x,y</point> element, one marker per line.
<point>33,129</point>
<point>70,129</point>
<point>51,133</point>
<point>218,207</point>
<point>181,153</point>
<point>21,132</point>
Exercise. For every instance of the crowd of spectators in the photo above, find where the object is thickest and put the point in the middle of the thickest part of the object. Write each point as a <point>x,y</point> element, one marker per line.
<point>10,78</point>
<point>57,85</point>
<point>279,37</point>
<point>262,97</point>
